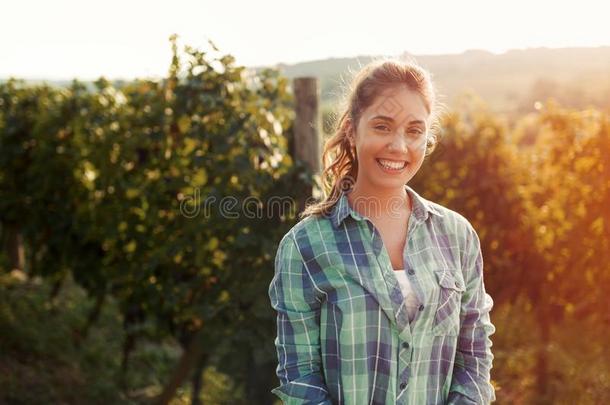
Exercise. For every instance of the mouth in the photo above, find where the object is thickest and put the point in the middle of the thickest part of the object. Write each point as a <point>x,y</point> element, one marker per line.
<point>393,166</point>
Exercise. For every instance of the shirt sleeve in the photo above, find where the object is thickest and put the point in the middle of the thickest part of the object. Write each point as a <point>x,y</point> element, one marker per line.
<point>297,344</point>
<point>473,361</point>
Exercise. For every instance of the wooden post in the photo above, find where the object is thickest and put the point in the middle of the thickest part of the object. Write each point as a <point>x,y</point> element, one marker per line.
<point>14,248</point>
<point>307,141</point>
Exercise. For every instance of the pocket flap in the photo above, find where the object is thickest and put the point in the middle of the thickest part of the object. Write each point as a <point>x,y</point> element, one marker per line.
<point>446,279</point>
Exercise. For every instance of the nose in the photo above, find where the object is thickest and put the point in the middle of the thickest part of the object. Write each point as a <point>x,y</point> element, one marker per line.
<point>399,142</point>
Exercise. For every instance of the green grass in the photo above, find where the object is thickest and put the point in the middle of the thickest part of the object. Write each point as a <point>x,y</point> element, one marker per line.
<point>41,364</point>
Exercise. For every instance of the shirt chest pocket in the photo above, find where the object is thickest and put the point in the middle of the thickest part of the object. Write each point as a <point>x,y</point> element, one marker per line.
<point>447,314</point>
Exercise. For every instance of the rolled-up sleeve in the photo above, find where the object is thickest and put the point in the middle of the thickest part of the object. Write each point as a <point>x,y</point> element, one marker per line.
<point>293,297</point>
<point>473,362</point>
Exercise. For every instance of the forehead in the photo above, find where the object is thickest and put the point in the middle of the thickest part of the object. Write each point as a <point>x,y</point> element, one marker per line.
<point>400,103</point>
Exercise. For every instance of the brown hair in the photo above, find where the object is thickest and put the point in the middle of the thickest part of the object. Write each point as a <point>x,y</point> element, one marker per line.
<point>340,166</point>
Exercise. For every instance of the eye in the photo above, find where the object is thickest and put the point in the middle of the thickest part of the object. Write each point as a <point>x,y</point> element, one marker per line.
<point>416,132</point>
<point>382,127</point>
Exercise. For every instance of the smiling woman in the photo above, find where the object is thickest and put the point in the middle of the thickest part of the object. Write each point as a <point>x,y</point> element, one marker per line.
<point>379,292</point>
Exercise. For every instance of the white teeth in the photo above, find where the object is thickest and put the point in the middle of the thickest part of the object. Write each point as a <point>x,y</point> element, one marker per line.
<point>388,164</point>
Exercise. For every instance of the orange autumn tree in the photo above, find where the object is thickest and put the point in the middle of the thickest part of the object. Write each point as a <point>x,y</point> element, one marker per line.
<point>568,206</point>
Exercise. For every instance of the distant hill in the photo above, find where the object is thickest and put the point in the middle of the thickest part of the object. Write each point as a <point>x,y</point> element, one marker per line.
<point>508,82</point>
<point>89,84</point>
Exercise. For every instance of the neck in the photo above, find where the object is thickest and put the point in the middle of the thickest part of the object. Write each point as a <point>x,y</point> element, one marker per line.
<point>379,202</point>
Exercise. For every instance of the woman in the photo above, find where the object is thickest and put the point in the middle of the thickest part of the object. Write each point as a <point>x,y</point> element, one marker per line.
<point>379,292</point>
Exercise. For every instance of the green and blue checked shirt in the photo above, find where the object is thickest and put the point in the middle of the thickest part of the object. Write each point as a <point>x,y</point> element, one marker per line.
<point>343,332</point>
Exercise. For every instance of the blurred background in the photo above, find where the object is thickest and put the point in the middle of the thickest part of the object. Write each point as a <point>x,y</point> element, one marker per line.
<point>124,125</point>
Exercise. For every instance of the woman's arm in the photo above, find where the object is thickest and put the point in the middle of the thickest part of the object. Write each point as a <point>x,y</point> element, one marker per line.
<point>298,329</point>
<point>473,360</point>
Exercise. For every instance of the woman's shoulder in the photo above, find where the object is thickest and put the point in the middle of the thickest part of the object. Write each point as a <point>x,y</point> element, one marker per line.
<point>451,219</point>
<point>309,227</point>
<point>455,227</point>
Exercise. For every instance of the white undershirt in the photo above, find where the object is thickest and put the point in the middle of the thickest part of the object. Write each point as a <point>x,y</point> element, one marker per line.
<point>411,301</point>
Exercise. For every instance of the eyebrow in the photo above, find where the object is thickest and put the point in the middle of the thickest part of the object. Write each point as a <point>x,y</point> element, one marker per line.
<point>390,119</point>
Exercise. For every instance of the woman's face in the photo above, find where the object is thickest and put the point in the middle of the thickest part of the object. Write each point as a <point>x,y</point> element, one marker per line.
<point>390,139</point>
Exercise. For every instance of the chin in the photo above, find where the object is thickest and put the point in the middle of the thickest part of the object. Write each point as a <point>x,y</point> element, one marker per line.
<point>391,183</point>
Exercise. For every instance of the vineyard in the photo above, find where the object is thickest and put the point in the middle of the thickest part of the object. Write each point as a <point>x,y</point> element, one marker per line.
<point>139,228</point>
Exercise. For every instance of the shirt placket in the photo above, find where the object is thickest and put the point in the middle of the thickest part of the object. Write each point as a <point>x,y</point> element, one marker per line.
<point>405,349</point>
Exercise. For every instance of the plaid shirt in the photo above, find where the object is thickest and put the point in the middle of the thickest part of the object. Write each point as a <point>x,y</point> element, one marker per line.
<point>343,332</point>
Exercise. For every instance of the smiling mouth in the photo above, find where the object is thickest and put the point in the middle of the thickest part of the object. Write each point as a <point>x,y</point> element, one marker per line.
<point>392,164</point>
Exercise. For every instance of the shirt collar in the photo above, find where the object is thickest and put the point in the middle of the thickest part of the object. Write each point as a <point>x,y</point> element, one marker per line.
<point>422,208</point>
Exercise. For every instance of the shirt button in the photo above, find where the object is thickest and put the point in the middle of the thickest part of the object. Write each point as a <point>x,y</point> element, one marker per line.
<point>411,271</point>
<point>421,307</point>
<point>405,345</point>
<point>403,385</point>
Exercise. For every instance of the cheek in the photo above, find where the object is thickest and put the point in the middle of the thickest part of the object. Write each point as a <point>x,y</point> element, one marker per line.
<point>418,159</point>
<point>373,146</point>
<point>367,150</point>
<point>419,153</point>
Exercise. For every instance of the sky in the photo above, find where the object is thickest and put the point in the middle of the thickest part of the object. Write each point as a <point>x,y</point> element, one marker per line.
<point>85,39</point>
